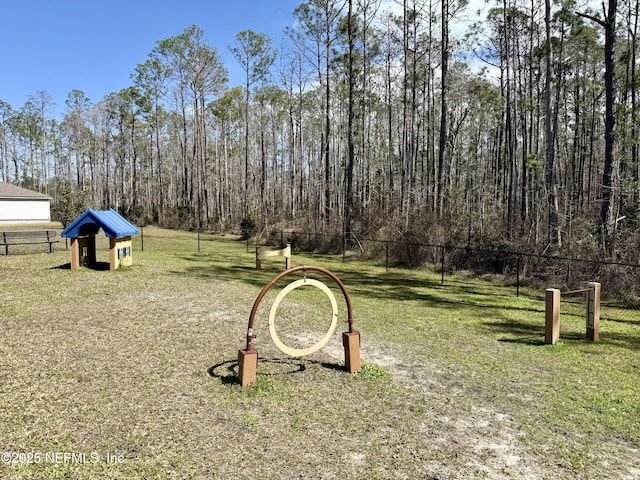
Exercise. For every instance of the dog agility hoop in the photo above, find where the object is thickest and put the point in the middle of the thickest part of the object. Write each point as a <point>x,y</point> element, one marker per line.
<point>248,358</point>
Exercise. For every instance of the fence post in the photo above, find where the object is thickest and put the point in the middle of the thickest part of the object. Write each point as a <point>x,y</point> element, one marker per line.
<point>593,312</point>
<point>442,263</point>
<point>344,247</point>
<point>552,316</point>
<point>517,275</point>
<point>386,257</point>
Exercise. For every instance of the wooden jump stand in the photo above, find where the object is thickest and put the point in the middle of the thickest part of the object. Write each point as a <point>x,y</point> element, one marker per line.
<point>248,357</point>
<point>262,254</point>
<point>552,313</point>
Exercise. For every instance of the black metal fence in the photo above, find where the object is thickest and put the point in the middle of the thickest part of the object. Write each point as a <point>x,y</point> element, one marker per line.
<point>518,273</point>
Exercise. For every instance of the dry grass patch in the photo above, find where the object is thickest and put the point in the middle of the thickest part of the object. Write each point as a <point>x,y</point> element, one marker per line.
<point>138,366</point>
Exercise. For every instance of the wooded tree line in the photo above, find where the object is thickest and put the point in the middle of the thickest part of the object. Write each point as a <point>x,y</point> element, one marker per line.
<point>415,119</point>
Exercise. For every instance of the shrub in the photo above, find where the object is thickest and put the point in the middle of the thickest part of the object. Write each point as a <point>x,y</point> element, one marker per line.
<point>247,228</point>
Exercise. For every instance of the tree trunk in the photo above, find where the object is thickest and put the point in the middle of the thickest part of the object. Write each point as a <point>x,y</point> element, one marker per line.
<point>607,222</point>
<point>348,207</point>
<point>550,176</point>
<point>442,144</point>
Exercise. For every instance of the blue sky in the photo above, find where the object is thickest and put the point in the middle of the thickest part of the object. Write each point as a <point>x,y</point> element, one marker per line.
<point>94,45</point>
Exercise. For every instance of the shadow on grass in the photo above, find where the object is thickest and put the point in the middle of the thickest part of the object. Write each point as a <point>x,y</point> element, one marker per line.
<point>393,286</point>
<point>227,371</point>
<point>64,266</point>
<point>629,341</point>
<point>526,330</point>
<point>98,266</point>
<point>532,341</point>
<point>524,333</point>
<point>533,334</point>
<point>388,285</point>
<point>619,319</point>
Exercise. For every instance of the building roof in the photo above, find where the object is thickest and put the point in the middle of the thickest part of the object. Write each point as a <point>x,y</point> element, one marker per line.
<point>9,191</point>
<point>91,221</point>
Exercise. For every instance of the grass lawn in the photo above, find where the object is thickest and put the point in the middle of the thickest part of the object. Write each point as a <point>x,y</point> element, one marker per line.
<point>132,374</point>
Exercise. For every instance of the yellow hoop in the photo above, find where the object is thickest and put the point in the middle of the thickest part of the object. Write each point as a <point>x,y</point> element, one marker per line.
<point>299,352</point>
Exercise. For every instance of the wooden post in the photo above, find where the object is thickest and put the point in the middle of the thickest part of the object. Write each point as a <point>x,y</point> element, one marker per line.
<point>113,259</point>
<point>75,253</point>
<point>552,316</point>
<point>247,366</point>
<point>593,312</point>
<point>287,257</point>
<point>351,343</point>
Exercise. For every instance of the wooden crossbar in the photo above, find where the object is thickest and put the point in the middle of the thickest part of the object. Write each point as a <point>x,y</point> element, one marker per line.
<point>262,254</point>
<point>580,290</point>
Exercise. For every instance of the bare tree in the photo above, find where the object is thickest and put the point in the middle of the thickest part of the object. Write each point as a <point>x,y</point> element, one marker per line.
<point>607,215</point>
<point>255,55</point>
<point>550,174</point>
<point>151,77</point>
<point>317,22</point>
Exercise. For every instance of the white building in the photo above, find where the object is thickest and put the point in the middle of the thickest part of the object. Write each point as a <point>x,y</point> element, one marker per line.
<point>19,205</point>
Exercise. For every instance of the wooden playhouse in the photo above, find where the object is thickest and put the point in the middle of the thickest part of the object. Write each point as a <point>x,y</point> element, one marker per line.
<point>83,230</point>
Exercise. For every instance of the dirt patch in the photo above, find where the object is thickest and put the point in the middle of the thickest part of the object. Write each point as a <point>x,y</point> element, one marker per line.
<point>487,442</point>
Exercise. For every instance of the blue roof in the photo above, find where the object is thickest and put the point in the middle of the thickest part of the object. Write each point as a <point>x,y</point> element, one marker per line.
<point>91,221</point>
